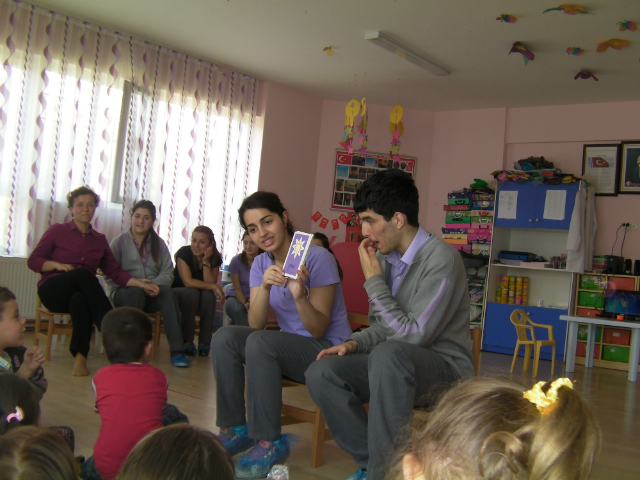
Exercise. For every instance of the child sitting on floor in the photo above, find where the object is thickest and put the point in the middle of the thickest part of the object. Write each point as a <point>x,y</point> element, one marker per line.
<point>19,402</point>
<point>36,453</point>
<point>131,396</point>
<point>178,451</point>
<point>497,429</point>
<point>14,357</point>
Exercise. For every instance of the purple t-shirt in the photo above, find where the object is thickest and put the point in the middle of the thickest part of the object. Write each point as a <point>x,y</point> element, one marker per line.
<point>322,271</point>
<point>236,266</point>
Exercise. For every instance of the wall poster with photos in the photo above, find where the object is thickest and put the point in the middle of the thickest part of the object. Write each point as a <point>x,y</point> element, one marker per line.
<point>354,168</point>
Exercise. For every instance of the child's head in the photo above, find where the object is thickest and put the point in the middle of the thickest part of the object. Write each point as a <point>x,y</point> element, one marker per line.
<point>19,402</point>
<point>487,429</point>
<point>176,452</point>
<point>127,334</point>
<point>11,323</point>
<point>32,452</point>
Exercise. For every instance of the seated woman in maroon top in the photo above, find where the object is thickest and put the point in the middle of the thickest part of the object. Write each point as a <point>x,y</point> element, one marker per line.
<point>68,256</point>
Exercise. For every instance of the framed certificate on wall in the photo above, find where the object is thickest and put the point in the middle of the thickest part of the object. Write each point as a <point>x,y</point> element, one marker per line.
<point>352,169</point>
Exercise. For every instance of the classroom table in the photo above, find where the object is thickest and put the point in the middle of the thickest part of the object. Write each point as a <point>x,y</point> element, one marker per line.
<point>572,340</point>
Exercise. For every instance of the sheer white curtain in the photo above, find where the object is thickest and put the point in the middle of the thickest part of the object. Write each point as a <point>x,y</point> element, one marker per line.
<point>80,104</point>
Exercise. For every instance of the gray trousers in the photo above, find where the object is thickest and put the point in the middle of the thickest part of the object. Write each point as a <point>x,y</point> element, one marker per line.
<point>393,378</point>
<point>265,356</point>
<point>194,301</point>
<point>236,311</point>
<point>166,302</point>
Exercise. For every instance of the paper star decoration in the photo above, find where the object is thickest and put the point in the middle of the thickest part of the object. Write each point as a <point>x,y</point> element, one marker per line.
<point>615,43</point>
<point>570,9</point>
<point>298,247</point>
<point>627,25</point>
<point>585,75</point>
<point>505,17</point>
<point>527,54</point>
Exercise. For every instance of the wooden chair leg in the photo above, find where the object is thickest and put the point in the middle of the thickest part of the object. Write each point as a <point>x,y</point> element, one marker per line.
<point>50,320</point>
<point>527,357</point>
<point>515,357</point>
<point>318,439</point>
<point>536,360</point>
<point>36,340</point>
<point>553,358</point>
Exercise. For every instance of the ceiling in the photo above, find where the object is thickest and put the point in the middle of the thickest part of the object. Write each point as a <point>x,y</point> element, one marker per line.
<point>282,41</point>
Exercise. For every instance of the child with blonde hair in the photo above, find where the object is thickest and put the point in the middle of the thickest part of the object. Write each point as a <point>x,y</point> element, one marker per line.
<point>36,453</point>
<point>497,429</point>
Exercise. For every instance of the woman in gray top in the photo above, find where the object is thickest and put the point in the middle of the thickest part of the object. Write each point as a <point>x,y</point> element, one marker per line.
<point>143,254</point>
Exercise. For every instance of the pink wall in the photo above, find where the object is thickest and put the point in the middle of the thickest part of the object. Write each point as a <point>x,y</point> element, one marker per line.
<point>416,142</point>
<point>452,148</point>
<point>472,144</point>
<point>467,145</point>
<point>290,149</point>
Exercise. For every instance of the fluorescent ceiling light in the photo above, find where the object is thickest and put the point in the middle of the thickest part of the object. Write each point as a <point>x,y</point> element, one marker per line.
<point>393,46</point>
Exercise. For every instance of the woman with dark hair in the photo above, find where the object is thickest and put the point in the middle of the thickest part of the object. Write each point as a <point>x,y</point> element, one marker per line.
<point>321,240</point>
<point>312,316</point>
<point>237,306</point>
<point>143,254</point>
<point>68,256</point>
<point>195,282</point>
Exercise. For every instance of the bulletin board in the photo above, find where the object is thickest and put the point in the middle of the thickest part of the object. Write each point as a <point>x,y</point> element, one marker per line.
<point>354,168</point>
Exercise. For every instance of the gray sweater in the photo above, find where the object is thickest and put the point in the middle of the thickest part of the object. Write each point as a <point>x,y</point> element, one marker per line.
<point>430,308</point>
<point>126,252</point>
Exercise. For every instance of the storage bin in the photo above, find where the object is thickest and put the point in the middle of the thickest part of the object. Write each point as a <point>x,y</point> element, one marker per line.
<point>581,350</point>
<point>590,299</point>
<point>454,231</point>
<point>458,201</point>
<point>487,227</point>
<point>592,282</point>
<point>457,220</point>
<point>615,354</point>
<point>622,283</point>
<point>458,214</point>
<point>482,205</point>
<point>583,312</point>
<point>453,208</point>
<point>583,335</point>
<point>455,241</point>
<point>617,336</point>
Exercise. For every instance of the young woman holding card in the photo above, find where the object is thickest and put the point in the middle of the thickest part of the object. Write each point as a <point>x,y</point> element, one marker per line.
<point>311,315</point>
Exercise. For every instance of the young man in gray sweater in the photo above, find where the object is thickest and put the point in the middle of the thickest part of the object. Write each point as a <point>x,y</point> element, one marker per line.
<point>418,342</point>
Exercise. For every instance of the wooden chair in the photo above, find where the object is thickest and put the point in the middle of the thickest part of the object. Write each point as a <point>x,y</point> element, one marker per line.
<point>52,327</point>
<point>156,321</point>
<point>523,324</point>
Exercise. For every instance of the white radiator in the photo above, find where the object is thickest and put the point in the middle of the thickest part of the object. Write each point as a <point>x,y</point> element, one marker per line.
<point>16,276</point>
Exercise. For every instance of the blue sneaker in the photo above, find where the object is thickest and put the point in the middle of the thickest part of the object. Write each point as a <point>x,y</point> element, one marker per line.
<point>190,350</point>
<point>359,475</point>
<point>257,462</point>
<point>233,443</point>
<point>180,361</point>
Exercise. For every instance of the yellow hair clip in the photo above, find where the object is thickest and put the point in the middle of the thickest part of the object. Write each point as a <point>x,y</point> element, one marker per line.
<point>545,402</point>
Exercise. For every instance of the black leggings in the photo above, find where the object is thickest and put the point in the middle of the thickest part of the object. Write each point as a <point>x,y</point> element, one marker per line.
<point>79,293</point>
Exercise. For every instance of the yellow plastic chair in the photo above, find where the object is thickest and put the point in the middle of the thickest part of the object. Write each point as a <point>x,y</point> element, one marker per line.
<point>523,323</point>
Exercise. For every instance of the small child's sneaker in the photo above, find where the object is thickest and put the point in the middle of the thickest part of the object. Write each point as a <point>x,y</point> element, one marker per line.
<point>360,474</point>
<point>257,462</point>
<point>234,443</point>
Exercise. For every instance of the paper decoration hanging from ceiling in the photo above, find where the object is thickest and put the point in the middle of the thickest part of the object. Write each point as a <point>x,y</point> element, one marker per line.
<point>397,129</point>
<point>506,18</point>
<point>615,43</point>
<point>362,126</point>
<point>527,54</point>
<point>569,9</point>
<point>351,111</point>
<point>585,75</point>
<point>577,51</point>
<point>627,25</point>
